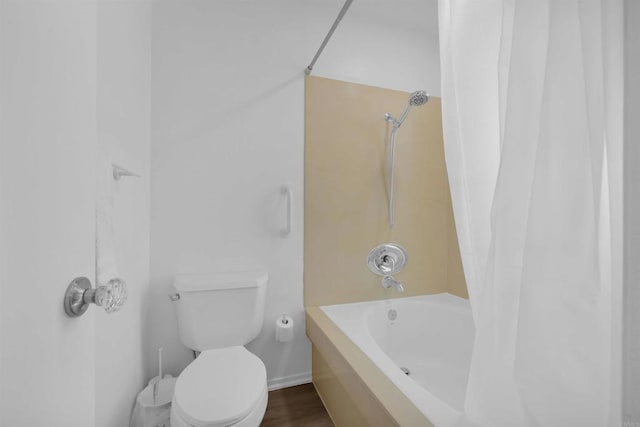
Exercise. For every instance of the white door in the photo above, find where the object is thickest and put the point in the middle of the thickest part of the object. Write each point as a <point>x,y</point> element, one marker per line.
<point>47,149</point>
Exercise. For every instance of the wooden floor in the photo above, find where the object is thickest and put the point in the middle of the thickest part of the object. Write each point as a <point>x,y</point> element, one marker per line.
<point>298,406</point>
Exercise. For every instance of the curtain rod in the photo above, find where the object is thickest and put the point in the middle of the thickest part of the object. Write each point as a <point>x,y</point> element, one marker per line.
<point>343,11</point>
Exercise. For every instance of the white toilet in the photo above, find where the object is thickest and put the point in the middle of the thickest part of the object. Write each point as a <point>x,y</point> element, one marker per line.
<point>226,385</point>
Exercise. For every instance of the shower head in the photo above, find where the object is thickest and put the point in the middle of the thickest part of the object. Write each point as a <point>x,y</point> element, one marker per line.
<point>418,98</point>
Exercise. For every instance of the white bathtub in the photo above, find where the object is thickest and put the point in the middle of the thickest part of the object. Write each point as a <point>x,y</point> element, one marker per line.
<point>431,336</point>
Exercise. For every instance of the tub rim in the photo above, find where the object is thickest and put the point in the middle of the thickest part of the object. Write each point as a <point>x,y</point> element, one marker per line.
<point>327,336</point>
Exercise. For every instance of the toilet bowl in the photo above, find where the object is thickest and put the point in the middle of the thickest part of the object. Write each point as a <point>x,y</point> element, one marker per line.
<point>226,385</point>
<point>222,387</point>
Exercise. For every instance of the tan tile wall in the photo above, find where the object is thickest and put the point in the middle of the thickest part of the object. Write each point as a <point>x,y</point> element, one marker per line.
<point>346,195</point>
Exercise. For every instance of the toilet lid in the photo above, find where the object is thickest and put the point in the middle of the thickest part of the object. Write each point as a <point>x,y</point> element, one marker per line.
<point>220,387</point>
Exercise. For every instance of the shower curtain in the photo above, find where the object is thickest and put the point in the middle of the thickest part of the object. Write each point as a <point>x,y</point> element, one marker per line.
<point>532,107</point>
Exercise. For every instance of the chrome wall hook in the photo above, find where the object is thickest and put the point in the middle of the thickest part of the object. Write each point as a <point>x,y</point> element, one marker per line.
<point>119,172</point>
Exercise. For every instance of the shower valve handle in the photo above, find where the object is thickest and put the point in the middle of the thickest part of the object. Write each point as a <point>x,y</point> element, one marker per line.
<point>387,259</point>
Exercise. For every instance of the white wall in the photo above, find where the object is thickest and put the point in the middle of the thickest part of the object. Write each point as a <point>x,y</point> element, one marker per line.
<point>73,76</point>
<point>228,130</point>
<point>47,150</point>
<point>386,44</point>
<point>123,124</point>
<point>631,308</point>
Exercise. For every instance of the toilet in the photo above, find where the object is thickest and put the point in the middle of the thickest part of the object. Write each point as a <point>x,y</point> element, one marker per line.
<point>226,385</point>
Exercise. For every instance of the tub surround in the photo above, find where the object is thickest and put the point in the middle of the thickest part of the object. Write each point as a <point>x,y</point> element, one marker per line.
<point>353,389</point>
<point>346,205</point>
<point>346,212</point>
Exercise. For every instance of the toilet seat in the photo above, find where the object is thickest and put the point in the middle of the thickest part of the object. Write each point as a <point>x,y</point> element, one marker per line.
<point>220,387</point>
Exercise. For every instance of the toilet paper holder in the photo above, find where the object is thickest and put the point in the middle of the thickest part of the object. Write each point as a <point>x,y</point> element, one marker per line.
<point>284,328</point>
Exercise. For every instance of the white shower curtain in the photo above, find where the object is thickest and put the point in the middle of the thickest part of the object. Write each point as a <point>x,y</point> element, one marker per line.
<point>532,103</point>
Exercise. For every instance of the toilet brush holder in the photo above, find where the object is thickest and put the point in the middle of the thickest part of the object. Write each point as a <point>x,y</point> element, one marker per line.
<point>153,404</point>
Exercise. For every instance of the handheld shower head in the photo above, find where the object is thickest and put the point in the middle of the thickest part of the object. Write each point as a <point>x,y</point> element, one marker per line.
<point>418,98</point>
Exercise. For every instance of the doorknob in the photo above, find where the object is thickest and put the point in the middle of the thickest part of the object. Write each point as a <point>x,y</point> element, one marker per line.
<point>80,295</point>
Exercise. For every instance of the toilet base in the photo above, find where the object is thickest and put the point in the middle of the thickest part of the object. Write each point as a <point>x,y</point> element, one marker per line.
<point>253,419</point>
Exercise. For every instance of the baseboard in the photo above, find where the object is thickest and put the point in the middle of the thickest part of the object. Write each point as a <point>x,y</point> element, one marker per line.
<point>289,381</point>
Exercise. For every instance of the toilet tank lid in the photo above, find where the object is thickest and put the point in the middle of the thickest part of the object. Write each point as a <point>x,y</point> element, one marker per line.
<point>216,281</point>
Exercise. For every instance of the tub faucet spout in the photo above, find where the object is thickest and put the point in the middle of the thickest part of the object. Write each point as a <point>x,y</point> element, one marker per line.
<point>390,282</point>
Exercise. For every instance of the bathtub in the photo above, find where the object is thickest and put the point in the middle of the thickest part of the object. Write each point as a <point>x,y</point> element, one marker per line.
<point>422,344</point>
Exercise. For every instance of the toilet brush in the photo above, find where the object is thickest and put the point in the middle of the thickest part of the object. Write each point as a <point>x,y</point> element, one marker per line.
<point>156,382</point>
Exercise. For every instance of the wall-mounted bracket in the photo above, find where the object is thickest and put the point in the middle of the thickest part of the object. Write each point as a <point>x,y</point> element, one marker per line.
<point>119,172</point>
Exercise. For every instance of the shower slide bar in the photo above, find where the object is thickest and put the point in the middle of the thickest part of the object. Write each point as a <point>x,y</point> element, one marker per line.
<point>343,11</point>
<point>416,99</point>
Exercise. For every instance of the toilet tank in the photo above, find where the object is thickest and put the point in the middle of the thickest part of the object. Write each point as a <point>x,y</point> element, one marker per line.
<point>219,309</point>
